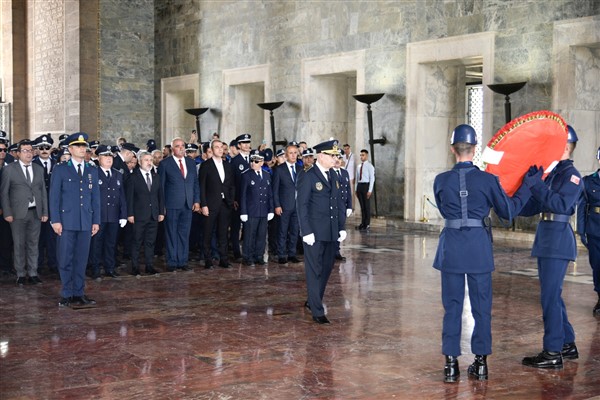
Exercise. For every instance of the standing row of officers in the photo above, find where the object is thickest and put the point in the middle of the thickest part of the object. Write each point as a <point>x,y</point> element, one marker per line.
<point>465,195</point>
<point>212,199</point>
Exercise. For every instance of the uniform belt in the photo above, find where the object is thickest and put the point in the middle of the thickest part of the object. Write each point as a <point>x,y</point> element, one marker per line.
<point>31,208</point>
<point>555,217</point>
<point>595,210</point>
<point>458,223</point>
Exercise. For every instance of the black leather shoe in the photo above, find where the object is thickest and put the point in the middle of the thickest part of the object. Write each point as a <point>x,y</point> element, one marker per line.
<point>111,274</point>
<point>569,351</point>
<point>359,228</point>
<point>451,369</point>
<point>64,302</point>
<point>596,309</point>
<point>35,280</point>
<point>135,272</point>
<point>260,262</point>
<point>151,271</point>
<point>283,261</point>
<point>321,320</point>
<point>545,359</point>
<point>21,281</point>
<point>225,265</point>
<point>340,257</point>
<point>208,264</point>
<point>249,264</point>
<point>479,369</point>
<point>294,260</point>
<point>307,305</point>
<point>185,268</point>
<point>95,275</point>
<point>82,302</point>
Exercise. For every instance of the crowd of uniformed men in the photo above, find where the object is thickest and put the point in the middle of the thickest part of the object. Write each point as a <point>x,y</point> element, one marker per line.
<point>212,202</point>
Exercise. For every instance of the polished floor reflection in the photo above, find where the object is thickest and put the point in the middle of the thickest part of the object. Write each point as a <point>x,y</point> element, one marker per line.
<point>243,333</point>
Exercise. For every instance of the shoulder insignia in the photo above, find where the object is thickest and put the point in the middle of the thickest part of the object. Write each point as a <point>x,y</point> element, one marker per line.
<point>575,179</point>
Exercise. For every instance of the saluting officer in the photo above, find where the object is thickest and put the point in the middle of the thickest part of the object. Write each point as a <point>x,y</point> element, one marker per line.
<point>75,217</point>
<point>322,218</point>
<point>554,246</point>
<point>256,209</point>
<point>464,196</point>
<point>113,213</point>
<point>588,225</point>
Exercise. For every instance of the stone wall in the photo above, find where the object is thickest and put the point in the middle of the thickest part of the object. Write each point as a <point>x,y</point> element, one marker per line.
<point>238,34</point>
<point>126,71</point>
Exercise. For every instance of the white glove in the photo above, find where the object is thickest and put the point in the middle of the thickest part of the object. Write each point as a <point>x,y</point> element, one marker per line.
<point>244,218</point>
<point>270,216</point>
<point>342,236</point>
<point>348,212</point>
<point>309,239</point>
<point>122,222</point>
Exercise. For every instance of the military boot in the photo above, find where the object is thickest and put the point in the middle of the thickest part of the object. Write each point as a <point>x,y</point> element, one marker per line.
<point>451,371</point>
<point>479,368</point>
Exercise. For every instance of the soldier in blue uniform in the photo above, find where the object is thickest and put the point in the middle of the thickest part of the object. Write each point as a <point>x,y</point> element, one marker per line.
<point>345,185</point>
<point>240,164</point>
<point>256,209</point>
<point>554,246</point>
<point>464,196</point>
<point>47,242</point>
<point>75,217</point>
<point>322,217</point>
<point>588,225</point>
<point>113,213</point>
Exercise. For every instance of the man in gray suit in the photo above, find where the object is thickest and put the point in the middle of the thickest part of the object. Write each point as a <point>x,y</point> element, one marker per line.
<point>25,207</point>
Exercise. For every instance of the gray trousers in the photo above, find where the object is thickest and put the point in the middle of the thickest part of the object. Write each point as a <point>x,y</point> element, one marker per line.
<point>26,235</point>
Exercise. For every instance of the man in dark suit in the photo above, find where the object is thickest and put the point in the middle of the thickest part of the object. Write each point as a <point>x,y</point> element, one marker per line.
<point>75,217</point>
<point>123,157</point>
<point>345,187</point>
<point>145,209</point>
<point>322,217</point>
<point>181,191</point>
<point>24,204</point>
<point>284,199</point>
<point>113,213</point>
<point>240,164</point>
<point>47,242</point>
<point>217,193</point>
<point>256,209</point>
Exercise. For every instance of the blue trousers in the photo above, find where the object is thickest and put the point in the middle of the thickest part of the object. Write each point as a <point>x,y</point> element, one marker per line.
<point>594,255</point>
<point>72,249</point>
<point>178,222</point>
<point>255,238</point>
<point>480,296</point>
<point>557,328</point>
<point>318,263</point>
<point>104,247</point>
<point>287,237</point>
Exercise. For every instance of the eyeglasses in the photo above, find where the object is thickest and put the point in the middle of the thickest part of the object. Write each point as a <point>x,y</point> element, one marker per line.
<point>26,151</point>
<point>3,150</point>
<point>257,161</point>
<point>44,148</point>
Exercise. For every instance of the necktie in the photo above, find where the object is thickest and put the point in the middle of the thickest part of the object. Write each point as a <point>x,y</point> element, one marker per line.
<point>108,175</point>
<point>181,169</point>
<point>45,168</point>
<point>339,174</point>
<point>148,183</point>
<point>246,158</point>
<point>79,170</point>
<point>293,173</point>
<point>27,174</point>
<point>360,174</point>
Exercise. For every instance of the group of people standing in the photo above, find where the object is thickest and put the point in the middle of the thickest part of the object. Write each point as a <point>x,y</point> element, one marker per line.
<point>73,213</point>
<point>465,196</point>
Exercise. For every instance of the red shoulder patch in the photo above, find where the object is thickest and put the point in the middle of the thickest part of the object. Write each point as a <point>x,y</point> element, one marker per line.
<point>575,179</point>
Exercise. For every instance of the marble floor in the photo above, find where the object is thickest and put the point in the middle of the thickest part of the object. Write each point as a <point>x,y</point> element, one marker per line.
<point>243,333</point>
